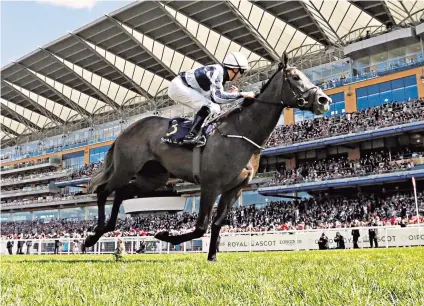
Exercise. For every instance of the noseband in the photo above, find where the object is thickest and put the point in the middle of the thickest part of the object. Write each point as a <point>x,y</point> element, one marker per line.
<point>299,96</point>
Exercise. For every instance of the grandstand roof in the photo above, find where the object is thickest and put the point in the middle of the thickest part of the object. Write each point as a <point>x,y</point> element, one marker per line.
<point>136,50</point>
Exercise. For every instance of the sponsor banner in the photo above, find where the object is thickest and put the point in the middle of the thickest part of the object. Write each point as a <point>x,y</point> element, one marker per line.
<point>308,240</point>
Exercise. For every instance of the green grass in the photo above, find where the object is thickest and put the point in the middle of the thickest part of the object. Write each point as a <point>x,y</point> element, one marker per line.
<point>352,277</point>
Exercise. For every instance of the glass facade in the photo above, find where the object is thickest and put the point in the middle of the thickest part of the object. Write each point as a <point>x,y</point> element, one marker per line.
<point>73,160</point>
<point>336,108</point>
<point>189,204</point>
<point>22,216</point>
<point>388,60</point>
<point>398,90</point>
<point>253,197</point>
<point>98,154</point>
<point>336,70</point>
<point>73,214</point>
<point>46,214</point>
<point>4,217</point>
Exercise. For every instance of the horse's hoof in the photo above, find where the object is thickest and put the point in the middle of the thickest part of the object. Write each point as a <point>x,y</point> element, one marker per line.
<point>214,259</point>
<point>163,236</point>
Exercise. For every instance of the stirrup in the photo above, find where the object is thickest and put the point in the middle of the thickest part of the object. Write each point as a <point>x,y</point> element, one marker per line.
<point>201,141</point>
<point>190,140</point>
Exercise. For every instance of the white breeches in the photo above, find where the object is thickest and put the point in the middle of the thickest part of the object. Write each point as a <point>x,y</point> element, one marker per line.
<point>190,97</point>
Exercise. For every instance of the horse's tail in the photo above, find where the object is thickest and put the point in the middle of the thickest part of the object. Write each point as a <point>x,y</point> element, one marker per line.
<point>102,175</point>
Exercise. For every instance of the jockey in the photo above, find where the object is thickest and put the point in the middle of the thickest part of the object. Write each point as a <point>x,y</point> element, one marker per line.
<point>202,88</point>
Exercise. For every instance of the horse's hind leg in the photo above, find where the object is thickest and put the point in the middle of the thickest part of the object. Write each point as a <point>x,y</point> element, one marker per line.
<point>143,183</point>
<point>98,232</point>
<point>117,201</point>
<point>117,181</point>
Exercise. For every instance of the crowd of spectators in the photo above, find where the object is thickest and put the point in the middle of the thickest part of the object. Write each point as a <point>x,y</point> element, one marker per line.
<point>19,177</point>
<point>368,119</point>
<point>85,171</point>
<point>48,199</point>
<point>374,162</point>
<point>26,164</point>
<point>313,213</point>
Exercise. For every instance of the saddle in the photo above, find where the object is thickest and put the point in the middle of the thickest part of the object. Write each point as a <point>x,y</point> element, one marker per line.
<point>179,127</point>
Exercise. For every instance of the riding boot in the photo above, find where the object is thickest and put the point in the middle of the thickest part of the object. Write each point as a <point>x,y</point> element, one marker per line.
<point>197,124</point>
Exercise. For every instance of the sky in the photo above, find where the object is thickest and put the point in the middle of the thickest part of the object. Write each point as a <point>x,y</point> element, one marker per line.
<point>27,25</point>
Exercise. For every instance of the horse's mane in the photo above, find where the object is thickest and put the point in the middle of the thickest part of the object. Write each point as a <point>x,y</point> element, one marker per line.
<point>265,85</point>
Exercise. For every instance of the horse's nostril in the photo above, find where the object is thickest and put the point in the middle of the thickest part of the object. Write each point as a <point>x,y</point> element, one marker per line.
<point>322,100</point>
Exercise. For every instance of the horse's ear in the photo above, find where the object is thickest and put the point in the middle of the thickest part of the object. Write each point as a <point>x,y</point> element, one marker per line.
<point>285,59</point>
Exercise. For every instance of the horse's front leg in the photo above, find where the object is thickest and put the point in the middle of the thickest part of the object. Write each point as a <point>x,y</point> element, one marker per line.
<point>208,196</point>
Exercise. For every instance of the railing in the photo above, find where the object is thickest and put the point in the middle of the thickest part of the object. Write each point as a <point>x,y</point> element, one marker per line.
<point>362,76</point>
<point>328,175</point>
<point>359,33</point>
<point>290,240</point>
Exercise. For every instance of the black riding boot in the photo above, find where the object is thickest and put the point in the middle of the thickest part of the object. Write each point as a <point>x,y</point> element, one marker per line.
<point>197,124</point>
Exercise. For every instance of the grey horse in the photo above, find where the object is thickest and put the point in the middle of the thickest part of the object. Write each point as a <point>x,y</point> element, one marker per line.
<point>227,164</point>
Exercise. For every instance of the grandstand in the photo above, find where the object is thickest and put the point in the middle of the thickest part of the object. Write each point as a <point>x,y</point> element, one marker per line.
<point>63,105</point>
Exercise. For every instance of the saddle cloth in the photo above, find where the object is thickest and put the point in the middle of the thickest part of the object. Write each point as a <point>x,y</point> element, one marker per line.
<point>179,127</point>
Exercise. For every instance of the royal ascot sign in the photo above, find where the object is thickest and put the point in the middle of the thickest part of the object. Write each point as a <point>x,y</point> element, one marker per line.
<point>308,240</point>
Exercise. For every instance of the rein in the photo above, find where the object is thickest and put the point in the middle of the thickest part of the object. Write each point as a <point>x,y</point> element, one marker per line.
<point>281,102</point>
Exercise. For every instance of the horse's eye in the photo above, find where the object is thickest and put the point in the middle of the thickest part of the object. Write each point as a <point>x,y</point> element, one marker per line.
<point>296,78</point>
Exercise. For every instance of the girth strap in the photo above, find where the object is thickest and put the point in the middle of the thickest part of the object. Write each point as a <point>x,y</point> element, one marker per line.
<point>197,154</point>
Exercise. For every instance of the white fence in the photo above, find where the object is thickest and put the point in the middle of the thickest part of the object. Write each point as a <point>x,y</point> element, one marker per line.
<point>230,242</point>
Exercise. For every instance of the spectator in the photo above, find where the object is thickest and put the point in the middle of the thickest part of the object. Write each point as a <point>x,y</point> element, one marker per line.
<point>28,244</point>
<point>56,245</point>
<point>323,242</point>
<point>372,233</point>
<point>355,235</point>
<point>9,246</point>
<point>339,239</point>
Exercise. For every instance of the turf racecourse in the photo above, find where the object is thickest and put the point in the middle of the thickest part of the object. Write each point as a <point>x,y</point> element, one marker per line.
<point>351,277</point>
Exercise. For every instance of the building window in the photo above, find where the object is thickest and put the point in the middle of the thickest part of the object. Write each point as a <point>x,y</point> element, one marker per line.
<point>73,160</point>
<point>98,154</point>
<point>399,90</point>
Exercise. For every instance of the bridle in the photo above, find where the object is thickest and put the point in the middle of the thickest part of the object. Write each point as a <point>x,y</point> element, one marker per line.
<point>299,96</point>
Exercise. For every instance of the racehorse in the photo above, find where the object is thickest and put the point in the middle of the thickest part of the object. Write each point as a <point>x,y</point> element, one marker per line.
<point>227,163</point>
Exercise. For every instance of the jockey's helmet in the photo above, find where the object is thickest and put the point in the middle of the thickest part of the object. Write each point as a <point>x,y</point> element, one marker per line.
<point>236,60</point>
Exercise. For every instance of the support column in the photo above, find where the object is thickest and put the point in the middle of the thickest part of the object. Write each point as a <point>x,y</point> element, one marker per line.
<point>288,116</point>
<point>354,154</point>
<point>240,200</point>
<point>87,155</point>
<point>291,163</point>
<point>350,100</point>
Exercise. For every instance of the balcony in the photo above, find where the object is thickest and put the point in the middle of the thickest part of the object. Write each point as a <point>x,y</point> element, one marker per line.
<point>70,200</point>
<point>28,192</point>
<point>35,178</point>
<point>53,162</point>
<point>345,182</point>
<point>381,43</point>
